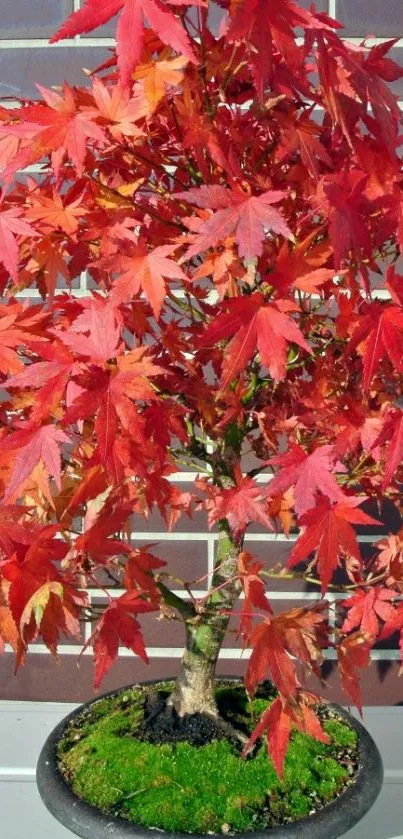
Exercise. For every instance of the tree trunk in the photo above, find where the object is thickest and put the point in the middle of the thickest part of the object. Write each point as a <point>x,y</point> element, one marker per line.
<point>194,691</point>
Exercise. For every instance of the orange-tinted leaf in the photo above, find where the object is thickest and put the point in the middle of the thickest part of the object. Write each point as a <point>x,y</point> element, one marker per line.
<point>34,445</point>
<point>147,272</point>
<point>157,75</point>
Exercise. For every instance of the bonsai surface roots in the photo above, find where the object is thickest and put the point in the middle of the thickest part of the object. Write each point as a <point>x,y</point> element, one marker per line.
<point>130,756</point>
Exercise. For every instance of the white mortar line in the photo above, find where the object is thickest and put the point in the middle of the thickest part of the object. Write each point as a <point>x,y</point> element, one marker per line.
<point>306,596</point>
<point>357,40</point>
<point>33,293</point>
<point>114,593</point>
<point>376,655</point>
<point>102,41</point>
<point>144,535</point>
<point>87,624</point>
<point>76,7</point>
<point>376,293</point>
<point>83,283</point>
<point>210,559</point>
<point>43,43</point>
<point>230,653</point>
<point>332,598</point>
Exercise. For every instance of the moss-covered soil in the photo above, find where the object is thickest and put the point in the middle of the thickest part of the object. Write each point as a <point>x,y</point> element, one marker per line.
<point>178,786</point>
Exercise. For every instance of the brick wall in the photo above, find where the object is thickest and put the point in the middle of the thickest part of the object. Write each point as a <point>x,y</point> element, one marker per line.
<point>25,57</point>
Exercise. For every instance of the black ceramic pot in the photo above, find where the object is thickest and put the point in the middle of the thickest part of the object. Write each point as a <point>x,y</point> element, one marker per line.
<point>90,823</point>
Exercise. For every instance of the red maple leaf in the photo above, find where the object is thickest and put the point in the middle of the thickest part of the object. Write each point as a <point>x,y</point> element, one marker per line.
<point>329,533</point>
<point>12,530</point>
<point>139,571</point>
<point>252,324</point>
<point>129,380</point>
<point>240,505</point>
<point>390,559</point>
<point>12,225</point>
<point>254,591</point>
<point>164,420</point>
<point>278,721</point>
<point>248,216</point>
<point>301,633</point>
<point>268,28</point>
<point>392,434</point>
<point>18,328</point>
<point>347,208</point>
<point>142,271</point>
<point>41,598</point>
<point>130,29</point>
<point>109,396</point>
<point>367,608</point>
<point>302,266</point>
<point>93,483</point>
<point>118,625</point>
<point>359,75</point>
<point>302,134</point>
<point>50,377</point>
<point>379,335</point>
<point>47,263</point>
<point>8,628</point>
<point>394,624</point>
<point>58,128</point>
<point>307,473</point>
<point>270,657</point>
<point>100,540</point>
<point>34,444</point>
<point>353,652</point>
<point>101,319</point>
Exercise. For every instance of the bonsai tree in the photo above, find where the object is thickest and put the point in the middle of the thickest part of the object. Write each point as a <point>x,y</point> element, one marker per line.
<point>232,188</point>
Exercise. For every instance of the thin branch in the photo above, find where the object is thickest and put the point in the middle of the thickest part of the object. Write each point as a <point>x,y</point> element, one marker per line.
<point>182,606</point>
<point>316,582</point>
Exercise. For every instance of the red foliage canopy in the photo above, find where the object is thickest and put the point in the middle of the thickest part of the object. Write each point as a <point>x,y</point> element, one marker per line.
<point>235,199</point>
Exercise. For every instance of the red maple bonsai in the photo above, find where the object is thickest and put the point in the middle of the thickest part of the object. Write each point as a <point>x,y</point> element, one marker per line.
<point>234,193</point>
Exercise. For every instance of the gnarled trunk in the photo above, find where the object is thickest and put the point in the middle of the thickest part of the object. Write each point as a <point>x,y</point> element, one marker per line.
<point>194,690</point>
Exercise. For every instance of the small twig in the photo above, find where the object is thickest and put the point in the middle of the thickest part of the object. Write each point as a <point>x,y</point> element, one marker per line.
<point>136,792</point>
<point>317,582</point>
<point>201,600</point>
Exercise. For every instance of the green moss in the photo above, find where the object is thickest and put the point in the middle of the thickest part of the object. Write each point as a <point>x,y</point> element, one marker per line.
<point>342,735</point>
<point>180,787</point>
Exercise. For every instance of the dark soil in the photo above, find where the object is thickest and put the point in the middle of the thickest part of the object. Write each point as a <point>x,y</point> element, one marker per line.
<point>163,725</point>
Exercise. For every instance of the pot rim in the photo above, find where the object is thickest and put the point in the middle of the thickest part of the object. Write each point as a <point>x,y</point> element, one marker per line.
<point>88,822</point>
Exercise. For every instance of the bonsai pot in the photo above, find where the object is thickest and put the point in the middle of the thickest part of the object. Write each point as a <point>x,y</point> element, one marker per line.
<point>88,822</point>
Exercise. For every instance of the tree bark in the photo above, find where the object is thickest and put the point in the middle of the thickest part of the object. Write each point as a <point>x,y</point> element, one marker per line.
<point>194,690</point>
